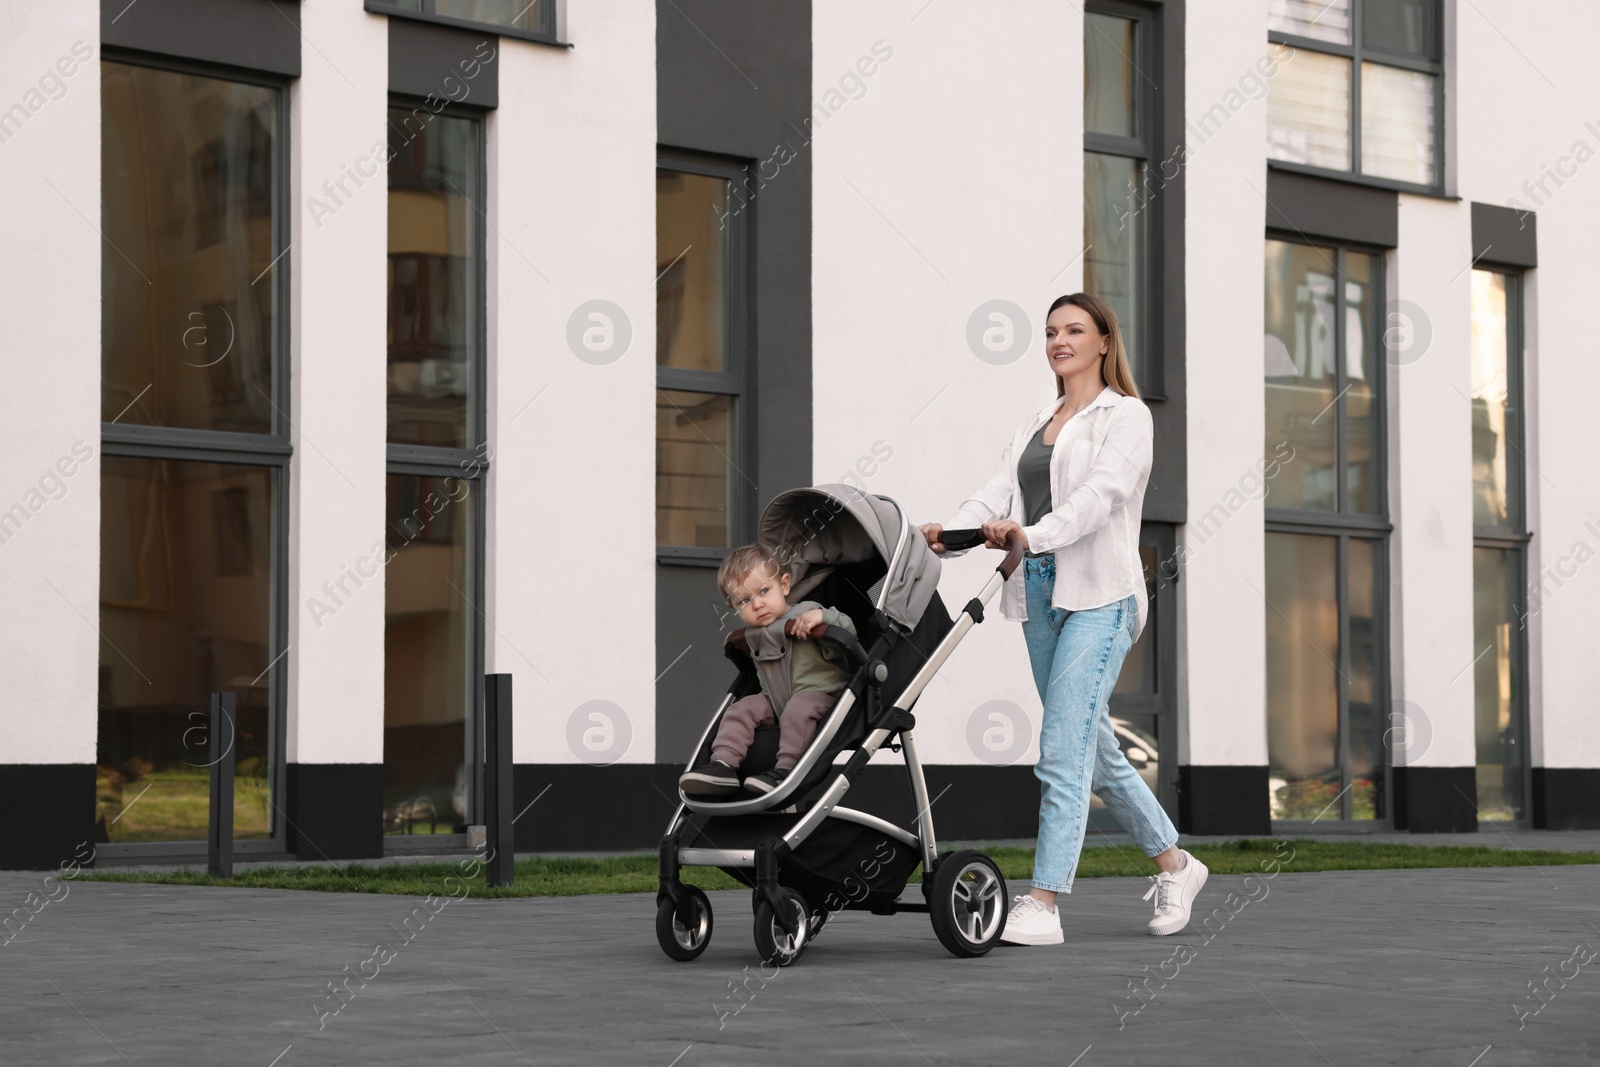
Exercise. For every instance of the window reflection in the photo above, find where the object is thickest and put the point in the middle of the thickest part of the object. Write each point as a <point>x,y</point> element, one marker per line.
<point>523,14</point>
<point>189,179</point>
<point>1399,26</point>
<point>1302,682</point>
<point>434,290</point>
<point>520,14</point>
<point>1308,111</point>
<point>1109,89</point>
<point>1365,684</point>
<point>1491,403</point>
<point>1496,686</point>
<point>695,465</point>
<point>1397,123</point>
<point>1115,206</point>
<point>185,610</point>
<point>427,652</point>
<point>1363,487</point>
<point>1323,20</point>
<point>1300,375</point>
<point>692,266</point>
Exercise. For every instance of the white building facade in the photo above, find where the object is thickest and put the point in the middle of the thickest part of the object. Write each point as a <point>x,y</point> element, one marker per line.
<point>330,344</point>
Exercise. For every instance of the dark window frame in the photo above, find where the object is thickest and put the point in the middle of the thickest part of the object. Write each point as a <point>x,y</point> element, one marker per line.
<point>1344,524</point>
<point>431,462</point>
<point>739,380</point>
<point>273,450</point>
<point>548,33</point>
<point>1358,52</point>
<point>1515,537</point>
<point>1147,149</point>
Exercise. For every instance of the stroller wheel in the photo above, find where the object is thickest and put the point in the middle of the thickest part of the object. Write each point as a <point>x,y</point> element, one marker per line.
<point>967,903</point>
<point>773,942</point>
<point>677,940</point>
<point>815,923</point>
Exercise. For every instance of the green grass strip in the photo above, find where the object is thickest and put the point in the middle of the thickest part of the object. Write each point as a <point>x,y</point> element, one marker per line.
<point>540,877</point>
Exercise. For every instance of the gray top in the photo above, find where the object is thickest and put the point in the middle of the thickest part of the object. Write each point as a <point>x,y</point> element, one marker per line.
<point>1033,475</point>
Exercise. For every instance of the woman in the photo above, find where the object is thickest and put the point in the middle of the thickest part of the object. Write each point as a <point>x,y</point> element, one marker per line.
<point>1071,485</point>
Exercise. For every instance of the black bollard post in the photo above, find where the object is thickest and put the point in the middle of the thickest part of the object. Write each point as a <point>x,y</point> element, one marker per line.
<point>219,843</point>
<point>497,797</point>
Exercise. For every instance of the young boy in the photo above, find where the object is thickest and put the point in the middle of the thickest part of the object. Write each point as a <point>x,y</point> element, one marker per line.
<point>801,677</point>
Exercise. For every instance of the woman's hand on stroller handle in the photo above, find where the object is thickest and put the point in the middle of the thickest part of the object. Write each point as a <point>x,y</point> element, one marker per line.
<point>1002,533</point>
<point>998,534</point>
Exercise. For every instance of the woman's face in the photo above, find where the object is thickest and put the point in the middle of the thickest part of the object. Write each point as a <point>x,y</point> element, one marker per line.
<point>1073,345</point>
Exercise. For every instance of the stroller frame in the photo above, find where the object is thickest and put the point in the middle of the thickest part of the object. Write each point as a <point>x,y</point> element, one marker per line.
<point>784,921</point>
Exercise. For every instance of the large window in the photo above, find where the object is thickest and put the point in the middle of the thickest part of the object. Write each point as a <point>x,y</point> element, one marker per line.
<point>703,361</point>
<point>438,456</point>
<point>1363,93</point>
<point>1499,566</point>
<point>1326,533</point>
<point>196,447</point>
<point>1119,142</point>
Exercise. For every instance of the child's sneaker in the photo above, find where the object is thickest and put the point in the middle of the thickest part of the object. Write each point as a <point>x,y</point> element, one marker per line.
<point>714,778</point>
<point>1032,922</point>
<point>766,783</point>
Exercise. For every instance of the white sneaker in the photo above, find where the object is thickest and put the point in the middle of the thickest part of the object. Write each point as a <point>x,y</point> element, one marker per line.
<point>1031,922</point>
<point>1174,894</point>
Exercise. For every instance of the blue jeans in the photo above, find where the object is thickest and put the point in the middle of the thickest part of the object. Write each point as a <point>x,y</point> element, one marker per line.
<point>1076,657</point>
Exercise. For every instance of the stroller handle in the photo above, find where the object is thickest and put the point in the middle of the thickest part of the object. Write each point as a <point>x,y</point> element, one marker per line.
<point>836,634</point>
<point>960,540</point>
<point>839,636</point>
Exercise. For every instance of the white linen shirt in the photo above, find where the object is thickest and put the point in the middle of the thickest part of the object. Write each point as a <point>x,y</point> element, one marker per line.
<point>1098,469</point>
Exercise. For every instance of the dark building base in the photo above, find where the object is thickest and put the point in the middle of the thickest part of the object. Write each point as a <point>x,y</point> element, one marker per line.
<point>1223,800</point>
<point>577,808</point>
<point>1435,800</point>
<point>1566,798</point>
<point>50,814</point>
<point>335,811</point>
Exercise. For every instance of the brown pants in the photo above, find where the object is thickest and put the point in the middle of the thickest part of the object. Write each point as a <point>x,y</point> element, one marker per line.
<point>795,726</point>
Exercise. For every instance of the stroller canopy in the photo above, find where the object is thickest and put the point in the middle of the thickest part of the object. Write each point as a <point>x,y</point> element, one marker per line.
<point>818,529</point>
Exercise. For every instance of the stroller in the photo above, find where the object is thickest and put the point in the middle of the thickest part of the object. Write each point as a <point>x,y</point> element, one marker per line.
<point>803,852</point>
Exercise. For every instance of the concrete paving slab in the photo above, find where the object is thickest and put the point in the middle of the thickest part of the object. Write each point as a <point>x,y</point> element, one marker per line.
<point>1358,967</point>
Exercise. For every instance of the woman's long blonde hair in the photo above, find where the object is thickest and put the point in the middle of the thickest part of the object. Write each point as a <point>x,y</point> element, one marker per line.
<point>1115,369</point>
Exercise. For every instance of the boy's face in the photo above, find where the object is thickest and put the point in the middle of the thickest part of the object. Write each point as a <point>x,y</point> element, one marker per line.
<point>760,598</point>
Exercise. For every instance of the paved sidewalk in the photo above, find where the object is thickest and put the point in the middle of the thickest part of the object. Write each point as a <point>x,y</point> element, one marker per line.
<point>1404,967</point>
<point>1554,840</point>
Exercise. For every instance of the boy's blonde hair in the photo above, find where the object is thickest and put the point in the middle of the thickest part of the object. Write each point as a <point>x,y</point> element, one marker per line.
<point>743,561</point>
